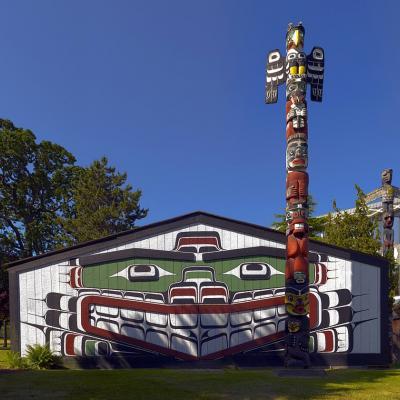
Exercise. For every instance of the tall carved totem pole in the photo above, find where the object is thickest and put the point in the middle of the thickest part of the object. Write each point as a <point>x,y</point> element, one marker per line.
<point>296,69</point>
<point>387,208</point>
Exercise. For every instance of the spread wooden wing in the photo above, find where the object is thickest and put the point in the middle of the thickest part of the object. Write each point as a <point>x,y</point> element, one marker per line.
<point>275,76</point>
<point>315,72</point>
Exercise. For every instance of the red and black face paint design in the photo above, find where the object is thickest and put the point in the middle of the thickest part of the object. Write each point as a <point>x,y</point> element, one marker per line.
<point>297,155</point>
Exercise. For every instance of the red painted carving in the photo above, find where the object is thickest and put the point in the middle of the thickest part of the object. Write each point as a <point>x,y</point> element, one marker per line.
<point>296,187</point>
<point>296,246</point>
<point>296,265</point>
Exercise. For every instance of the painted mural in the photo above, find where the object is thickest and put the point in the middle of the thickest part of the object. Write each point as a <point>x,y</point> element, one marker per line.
<point>199,293</point>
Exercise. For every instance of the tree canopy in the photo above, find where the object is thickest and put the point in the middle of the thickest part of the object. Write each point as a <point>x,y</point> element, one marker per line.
<point>355,230</point>
<point>34,190</point>
<point>47,201</point>
<point>103,203</point>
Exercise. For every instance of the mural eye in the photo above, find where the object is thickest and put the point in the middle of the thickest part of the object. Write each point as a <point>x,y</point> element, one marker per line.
<point>253,271</point>
<point>139,273</point>
<point>142,273</point>
<point>291,56</point>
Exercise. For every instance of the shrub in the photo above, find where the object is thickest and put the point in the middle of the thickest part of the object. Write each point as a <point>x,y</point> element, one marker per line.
<point>41,357</point>
<point>15,361</point>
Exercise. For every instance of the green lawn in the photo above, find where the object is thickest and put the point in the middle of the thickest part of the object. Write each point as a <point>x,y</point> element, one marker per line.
<point>197,384</point>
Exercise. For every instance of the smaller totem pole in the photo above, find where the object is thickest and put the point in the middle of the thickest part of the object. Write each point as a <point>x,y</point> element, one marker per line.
<point>387,193</point>
<point>387,210</point>
<point>297,69</point>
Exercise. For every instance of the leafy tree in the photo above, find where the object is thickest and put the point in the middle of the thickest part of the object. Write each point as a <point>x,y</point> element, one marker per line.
<point>103,203</point>
<point>34,190</point>
<point>355,230</point>
<point>316,224</point>
<point>360,232</point>
<point>46,201</point>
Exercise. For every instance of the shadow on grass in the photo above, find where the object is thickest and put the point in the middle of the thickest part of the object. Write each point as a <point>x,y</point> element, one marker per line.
<point>198,384</point>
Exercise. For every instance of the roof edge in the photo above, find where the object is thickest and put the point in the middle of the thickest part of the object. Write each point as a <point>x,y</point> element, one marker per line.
<point>175,223</point>
<point>132,231</point>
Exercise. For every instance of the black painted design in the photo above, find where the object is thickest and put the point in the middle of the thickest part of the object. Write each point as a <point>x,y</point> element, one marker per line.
<point>315,72</point>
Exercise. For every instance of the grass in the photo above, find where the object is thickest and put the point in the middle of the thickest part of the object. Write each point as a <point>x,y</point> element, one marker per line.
<point>197,384</point>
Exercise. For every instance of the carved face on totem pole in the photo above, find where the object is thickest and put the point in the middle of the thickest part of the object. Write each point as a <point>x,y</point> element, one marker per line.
<point>295,134</point>
<point>293,325</point>
<point>388,220</point>
<point>296,91</point>
<point>296,155</point>
<point>300,277</point>
<point>297,302</point>
<point>386,176</point>
<point>297,226</point>
<point>296,211</point>
<point>296,64</point>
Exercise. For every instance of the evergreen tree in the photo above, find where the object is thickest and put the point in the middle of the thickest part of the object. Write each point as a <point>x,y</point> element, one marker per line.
<point>103,203</point>
<point>355,230</point>
<point>47,202</point>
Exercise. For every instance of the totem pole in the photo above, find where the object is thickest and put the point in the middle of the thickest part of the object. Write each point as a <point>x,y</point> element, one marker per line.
<point>387,193</point>
<point>297,69</point>
<point>387,210</point>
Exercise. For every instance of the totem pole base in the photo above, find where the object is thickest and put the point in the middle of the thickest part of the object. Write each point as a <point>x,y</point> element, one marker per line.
<point>297,363</point>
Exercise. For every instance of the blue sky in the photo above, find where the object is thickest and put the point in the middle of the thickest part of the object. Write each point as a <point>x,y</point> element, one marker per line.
<point>172,93</point>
